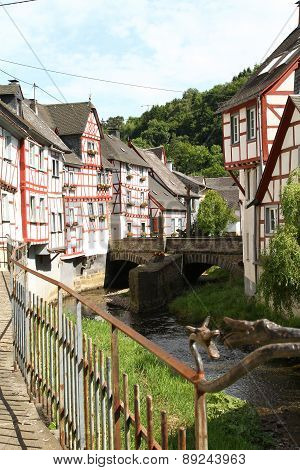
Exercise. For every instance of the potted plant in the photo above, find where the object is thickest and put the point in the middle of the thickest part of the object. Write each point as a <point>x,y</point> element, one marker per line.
<point>92,217</point>
<point>103,186</point>
<point>143,178</point>
<point>92,152</point>
<point>130,203</point>
<point>144,204</point>
<point>102,217</point>
<point>72,187</point>
<point>129,176</point>
<point>174,234</point>
<point>143,234</point>
<point>129,234</point>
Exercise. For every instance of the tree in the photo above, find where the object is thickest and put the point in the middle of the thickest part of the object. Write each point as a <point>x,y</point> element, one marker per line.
<point>157,133</point>
<point>116,122</point>
<point>280,280</point>
<point>214,215</point>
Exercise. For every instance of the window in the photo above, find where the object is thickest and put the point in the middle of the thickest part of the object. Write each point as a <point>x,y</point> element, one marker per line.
<point>53,222</point>
<point>129,227</point>
<point>173,225</point>
<point>128,196</point>
<point>41,159</point>
<point>143,227</point>
<point>179,224</point>
<point>7,147</point>
<point>251,123</point>
<point>32,209</point>
<point>101,209</point>
<point>32,155</point>
<point>271,219</point>
<point>71,178</point>
<point>42,210</point>
<point>71,216</point>
<point>5,208</point>
<point>91,145</point>
<point>90,209</point>
<point>142,197</point>
<point>60,222</point>
<point>235,129</point>
<point>55,168</point>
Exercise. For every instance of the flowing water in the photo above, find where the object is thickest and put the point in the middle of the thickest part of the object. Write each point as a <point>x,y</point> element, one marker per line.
<point>269,386</point>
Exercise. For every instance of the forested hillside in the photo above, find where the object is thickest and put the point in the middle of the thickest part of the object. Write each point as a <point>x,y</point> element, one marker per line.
<point>188,127</point>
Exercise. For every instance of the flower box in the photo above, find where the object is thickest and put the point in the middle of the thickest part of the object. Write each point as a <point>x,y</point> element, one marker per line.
<point>91,152</point>
<point>102,218</point>
<point>72,187</point>
<point>144,204</point>
<point>129,176</point>
<point>143,178</point>
<point>92,217</point>
<point>103,186</point>
<point>129,235</point>
<point>130,203</point>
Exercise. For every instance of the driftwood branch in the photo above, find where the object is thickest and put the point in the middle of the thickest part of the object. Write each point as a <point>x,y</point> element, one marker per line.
<point>258,333</point>
<point>250,362</point>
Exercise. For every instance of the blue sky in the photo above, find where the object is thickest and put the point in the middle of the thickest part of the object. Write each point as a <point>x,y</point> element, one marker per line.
<point>176,44</point>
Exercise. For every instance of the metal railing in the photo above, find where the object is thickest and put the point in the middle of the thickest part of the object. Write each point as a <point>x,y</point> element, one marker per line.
<point>77,385</point>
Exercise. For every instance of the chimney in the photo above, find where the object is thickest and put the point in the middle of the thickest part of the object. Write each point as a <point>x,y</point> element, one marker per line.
<point>14,82</point>
<point>33,106</point>
<point>298,4</point>
<point>169,165</point>
<point>115,132</point>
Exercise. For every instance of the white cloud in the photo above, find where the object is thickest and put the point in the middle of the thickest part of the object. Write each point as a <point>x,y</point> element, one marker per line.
<point>170,44</point>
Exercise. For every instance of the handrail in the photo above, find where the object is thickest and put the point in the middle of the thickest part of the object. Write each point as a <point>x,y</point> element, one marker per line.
<point>185,371</point>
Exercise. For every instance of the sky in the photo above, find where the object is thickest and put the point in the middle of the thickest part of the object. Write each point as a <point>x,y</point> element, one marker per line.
<point>173,44</point>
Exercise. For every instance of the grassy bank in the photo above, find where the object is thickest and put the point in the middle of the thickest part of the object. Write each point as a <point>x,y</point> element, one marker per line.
<point>223,297</point>
<point>232,423</point>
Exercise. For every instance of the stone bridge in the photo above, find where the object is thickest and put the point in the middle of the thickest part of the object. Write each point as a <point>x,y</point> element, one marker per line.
<point>198,254</point>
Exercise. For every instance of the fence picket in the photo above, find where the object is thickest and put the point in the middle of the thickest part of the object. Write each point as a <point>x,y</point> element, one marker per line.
<point>126,412</point>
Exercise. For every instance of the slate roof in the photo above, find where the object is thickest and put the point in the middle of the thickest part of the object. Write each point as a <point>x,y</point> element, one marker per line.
<point>191,182</point>
<point>159,152</point>
<point>286,54</point>
<point>11,89</point>
<point>296,100</point>
<point>114,149</point>
<point>164,197</point>
<point>231,195</point>
<point>219,183</point>
<point>167,177</point>
<point>38,125</point>
<point>69,118</point>
<point>72,159</point>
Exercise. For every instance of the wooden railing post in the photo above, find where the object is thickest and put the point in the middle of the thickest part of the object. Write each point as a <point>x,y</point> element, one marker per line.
<point>201,439</point>
<point>80,378</point>
<point>116,387</point>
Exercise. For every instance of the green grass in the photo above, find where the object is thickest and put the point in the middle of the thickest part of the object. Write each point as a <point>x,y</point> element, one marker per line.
<point>232,423</point>
<point>223,297</point>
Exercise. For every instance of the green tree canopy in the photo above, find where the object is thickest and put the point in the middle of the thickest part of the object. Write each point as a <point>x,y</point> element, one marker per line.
<point>214,215</point>
<point>280,280</point>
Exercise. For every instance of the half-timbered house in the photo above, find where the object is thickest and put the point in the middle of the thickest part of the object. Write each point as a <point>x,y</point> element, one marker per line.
<point>130,204</point>
<point>284,158</point>
<point>250,123</point>
<point>87,186</point>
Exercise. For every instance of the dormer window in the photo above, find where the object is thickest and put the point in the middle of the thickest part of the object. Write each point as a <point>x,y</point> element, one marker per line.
<point>91,148</point>
<point>251,124</point>
<point>235,129</point>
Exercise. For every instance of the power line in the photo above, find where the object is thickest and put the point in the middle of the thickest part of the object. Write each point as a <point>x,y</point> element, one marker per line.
<point>92,78</point>
<point>16,3</point>
<point>33,52</point>
<point>31,84</point>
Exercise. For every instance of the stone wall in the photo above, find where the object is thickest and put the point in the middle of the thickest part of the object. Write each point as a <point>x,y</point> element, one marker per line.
<point>153,285</point>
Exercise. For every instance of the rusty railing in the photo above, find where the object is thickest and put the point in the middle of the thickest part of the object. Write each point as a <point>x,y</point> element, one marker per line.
<point>78,387</point>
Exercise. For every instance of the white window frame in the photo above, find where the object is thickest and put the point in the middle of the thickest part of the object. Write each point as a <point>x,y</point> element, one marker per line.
<point>101,209</point>
<point>55,168</point>
<point>53,222</point>
<point>32,207</point>
<point>235,128</point>
<point>5,208</point>
<point>42,213</point>
<point>41,159</point>
<point>251,123</point>
<point>271,219</point>
<point>90,207</point>
<point>7,154</point>
<point>32,160</point>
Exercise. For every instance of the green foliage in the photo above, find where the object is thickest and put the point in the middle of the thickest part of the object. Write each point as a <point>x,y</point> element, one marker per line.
<point>141,143</point>
<point>214,214</point>
<point>189,127</point>
<point>280,279</point>
<point>116,122</point>
<point>222,295</point>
